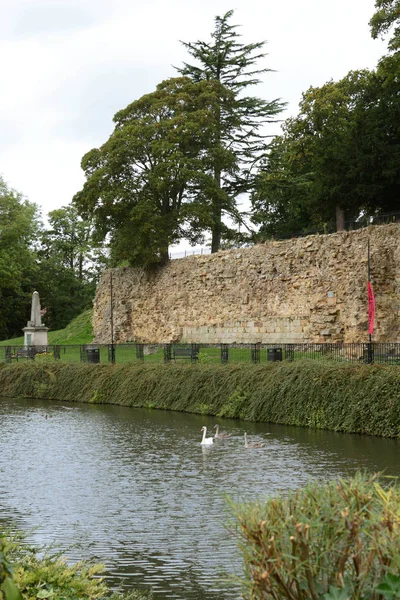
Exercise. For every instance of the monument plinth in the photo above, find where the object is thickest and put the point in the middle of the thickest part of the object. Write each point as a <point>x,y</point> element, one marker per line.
<point>35,333</point>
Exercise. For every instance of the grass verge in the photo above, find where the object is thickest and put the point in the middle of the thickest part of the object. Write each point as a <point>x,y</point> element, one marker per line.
<point>79,331</point>
<point>348,398</point>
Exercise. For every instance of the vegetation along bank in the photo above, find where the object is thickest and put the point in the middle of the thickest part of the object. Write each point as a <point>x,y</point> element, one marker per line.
<point>319,394</point>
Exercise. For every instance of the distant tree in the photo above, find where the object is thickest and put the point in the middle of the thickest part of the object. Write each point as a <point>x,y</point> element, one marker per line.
<point>71,238</point>
<point>68,266</point>
<point>387,15</point>
<point>19,226</point>
<point>239,124</point>
<point>147,186</point>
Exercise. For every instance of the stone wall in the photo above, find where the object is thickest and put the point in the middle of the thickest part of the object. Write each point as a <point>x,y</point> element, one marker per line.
<point>311,289</point>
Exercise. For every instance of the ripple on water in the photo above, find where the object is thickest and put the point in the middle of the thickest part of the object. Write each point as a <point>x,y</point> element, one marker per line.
<point>134,488</point>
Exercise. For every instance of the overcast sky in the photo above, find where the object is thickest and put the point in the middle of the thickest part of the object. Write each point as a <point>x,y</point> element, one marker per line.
<point>69,65</point>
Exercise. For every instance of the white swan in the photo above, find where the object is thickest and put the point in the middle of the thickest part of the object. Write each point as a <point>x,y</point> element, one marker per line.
<point>206,441</point>
<point>252,444</point>
<point>221,435</point>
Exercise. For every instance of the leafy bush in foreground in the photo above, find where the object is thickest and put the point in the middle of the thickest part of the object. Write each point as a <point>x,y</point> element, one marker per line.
<point>334,541</point>
<point>48,576</point>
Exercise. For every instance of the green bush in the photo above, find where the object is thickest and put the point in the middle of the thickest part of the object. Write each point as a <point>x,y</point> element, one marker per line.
<point>8,588</point>
<point>38,575</point>
<point>339,540</point>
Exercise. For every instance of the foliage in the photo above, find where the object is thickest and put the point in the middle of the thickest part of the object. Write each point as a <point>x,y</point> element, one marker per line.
<point>235,405</point>
<point>44,357</point>
<point>340,153</point>
<point>39,574</point>
<point>147,186</point>
<point>338,540</point>
<point>340,397</point>
<point>68,255</point>
<point>61,263</point>
<point>70,238</point>
<point>387,15</point>
<point>239,123</point>
<point>8,588</point>
<point>19,225</point>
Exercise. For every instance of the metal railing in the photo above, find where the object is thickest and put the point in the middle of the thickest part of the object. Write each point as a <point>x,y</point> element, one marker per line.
<point>383,353</point>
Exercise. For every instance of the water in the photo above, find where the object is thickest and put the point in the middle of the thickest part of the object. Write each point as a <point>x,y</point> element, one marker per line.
<point>134,489</point>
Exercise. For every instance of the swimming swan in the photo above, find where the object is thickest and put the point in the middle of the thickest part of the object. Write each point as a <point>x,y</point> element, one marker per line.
<point>221,435</point>
<point>206,441</point>
<point>252,444</point>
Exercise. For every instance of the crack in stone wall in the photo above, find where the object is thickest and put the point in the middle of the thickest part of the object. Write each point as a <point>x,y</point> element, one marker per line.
<point>311,289</point>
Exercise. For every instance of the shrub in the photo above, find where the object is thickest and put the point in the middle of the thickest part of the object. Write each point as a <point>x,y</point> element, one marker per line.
<point>37,575</point>
<point>318,394</point>
<point>338,540</point>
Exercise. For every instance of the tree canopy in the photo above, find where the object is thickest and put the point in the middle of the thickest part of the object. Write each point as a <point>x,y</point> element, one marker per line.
<point>67,255</point>
<point>149,184</point>
<point>387,15</point>
<point>340,154</point>
<point>19,226</point>
<point>240,124</point>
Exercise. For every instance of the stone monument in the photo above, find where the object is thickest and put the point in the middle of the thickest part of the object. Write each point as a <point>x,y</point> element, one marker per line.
<point>35,333</point>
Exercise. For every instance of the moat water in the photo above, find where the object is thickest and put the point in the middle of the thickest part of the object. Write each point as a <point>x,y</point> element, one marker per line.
<point>134,489</point>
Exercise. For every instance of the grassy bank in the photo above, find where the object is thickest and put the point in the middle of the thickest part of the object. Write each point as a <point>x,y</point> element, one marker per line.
<point>79,331</point>
<point>348,398</point>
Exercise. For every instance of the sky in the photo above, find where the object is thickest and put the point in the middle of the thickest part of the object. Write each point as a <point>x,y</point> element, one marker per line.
<point>69,65</point>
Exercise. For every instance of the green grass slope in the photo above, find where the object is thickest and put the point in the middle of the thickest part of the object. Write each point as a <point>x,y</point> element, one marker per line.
<point>79,331</point>
<point>340,397</point>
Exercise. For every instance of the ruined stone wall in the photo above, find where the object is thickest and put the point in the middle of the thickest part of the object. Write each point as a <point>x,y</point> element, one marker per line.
<point>311,289</point>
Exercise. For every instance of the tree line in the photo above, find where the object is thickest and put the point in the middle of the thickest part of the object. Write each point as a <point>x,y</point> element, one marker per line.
<point>181,158</point>
<point>60,260</point>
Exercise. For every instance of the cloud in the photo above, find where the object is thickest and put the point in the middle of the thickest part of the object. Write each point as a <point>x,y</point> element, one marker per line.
<point>69,65</point>
<point>25,19</point>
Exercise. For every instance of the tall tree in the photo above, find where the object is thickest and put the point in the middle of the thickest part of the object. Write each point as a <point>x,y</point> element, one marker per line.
<point>239,123</point>
<point>68,256</point>
<point>386,16</point>
<point>339,156</point>
<point>147,186</point>
<point>71,238</point>
<point>19,226</point>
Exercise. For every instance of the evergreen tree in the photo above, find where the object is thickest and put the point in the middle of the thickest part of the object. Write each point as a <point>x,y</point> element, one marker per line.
<point>240,123</point>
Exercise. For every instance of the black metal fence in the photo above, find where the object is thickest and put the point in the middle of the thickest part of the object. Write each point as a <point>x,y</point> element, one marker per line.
<point>385,353</point>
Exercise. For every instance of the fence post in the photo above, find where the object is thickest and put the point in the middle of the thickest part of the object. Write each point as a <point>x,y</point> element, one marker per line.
<point>111,353</point>
<point>83,354</point>
<point>368,353</point>
<point>139,351</point>
<point>224,353</point>
<point>289,352</point>
<point>167,353</point>
<point>195,352</point>
<point>255,353</point>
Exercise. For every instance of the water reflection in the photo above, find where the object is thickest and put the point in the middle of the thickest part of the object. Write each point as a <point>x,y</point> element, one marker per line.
<point>135,489</point>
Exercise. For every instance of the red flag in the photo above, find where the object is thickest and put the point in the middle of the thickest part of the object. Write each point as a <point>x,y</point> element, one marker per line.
<point>371,309</point>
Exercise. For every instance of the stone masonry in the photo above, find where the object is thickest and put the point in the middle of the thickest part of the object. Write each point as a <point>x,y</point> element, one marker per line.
<point>311,289</point>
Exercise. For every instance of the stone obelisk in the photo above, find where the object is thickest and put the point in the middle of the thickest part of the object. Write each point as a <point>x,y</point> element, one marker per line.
<point>35,333</point>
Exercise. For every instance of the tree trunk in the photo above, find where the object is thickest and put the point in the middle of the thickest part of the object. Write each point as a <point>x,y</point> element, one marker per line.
<point>216,228</point>
<point>164,257</point>
<point>340,225</point>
